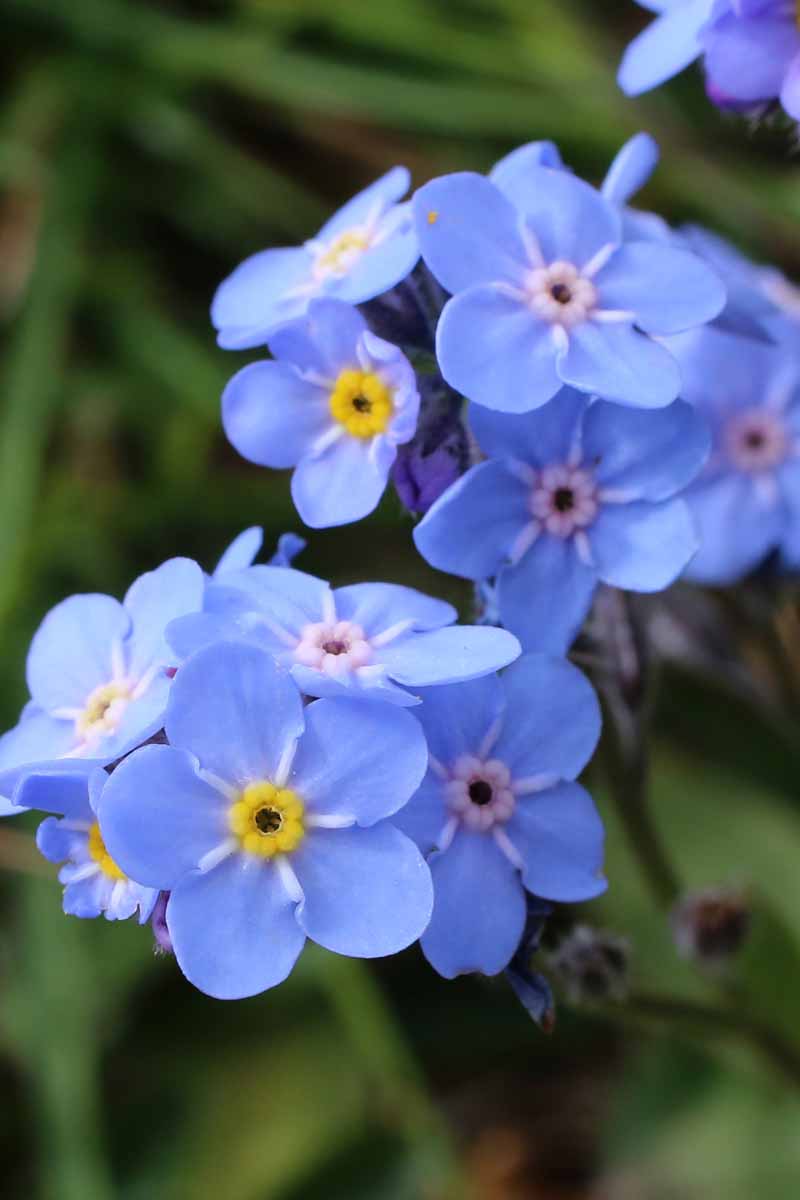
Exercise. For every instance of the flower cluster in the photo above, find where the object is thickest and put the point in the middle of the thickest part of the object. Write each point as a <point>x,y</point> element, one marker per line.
<point>750,51</point>
<point>572,396</point>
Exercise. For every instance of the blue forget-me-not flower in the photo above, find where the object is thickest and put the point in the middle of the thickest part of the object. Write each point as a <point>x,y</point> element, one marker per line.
<point>577,493</point>
<point>499,812</point>
<point>362,251</point>
<point>335,403</point>
<point>545,293</point>
<point>267,823</point>
<point>377,641</point>
<point>746,502</point>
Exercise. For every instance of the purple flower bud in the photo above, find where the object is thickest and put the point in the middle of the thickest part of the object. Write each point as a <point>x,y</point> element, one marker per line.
<point>158,923</point>
<point>439,452</point>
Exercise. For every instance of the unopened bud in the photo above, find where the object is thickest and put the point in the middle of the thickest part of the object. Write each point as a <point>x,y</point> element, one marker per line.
<point>592,964</point>
<point>711,926</point>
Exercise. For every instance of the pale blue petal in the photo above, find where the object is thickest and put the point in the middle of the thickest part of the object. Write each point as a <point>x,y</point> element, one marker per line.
<point>747,60</point>
<point>142,718</point>
<point>648,455</point>
<point>554,722</point>
<point>155,599</point>
<point>570,219</point>
<point>59,787</point>
<point>631,168</point>
<point>257,297</point>
<point>159,818</point>
<point>234,708</point>
<point>478,909</point>
<point>70,654</point>
<point>38,737</point>
<point>190,634</point>
<point>379,606</point>
<point>643,547</point>
<point>448,655</point>
<point>619,363</point>
<point>233,929</point>
<point>388,262</point>
<point>510,173</point>
<point>735,530</point>
<point>542,437</point>
<point>358,760</point>
<point>324,341</point>
<point>342,484</point>
<point>377,687</point>
<point>559,836</point>
<point>468,232</point>
<point>367,892</point>
<point>668,45</point>
<point>387,190</point>
<point>272,416</point>
<point>493,350</point>
<point>457,718</point>
<point>472,527</point>
<point>242,551</point>
<point>58,843</point>
<point>667,289</point>
<point>546,597</point>
<point>424,817</point>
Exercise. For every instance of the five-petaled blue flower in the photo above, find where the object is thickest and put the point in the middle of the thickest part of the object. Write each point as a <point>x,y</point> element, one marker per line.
<point>575,494</point>
<point>98,673</point>
<point>370,640</point>
<point>93,883</point>
<point>362,251</point>
<point>335,404</point>
<point>546,293</point>
<point>267,823</point>
<point>499,811</point>
<point>746,503</point>
<point>750,49</point>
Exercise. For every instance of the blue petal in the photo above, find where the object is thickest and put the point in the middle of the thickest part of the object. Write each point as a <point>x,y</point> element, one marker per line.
<point>541,437</point>
<point>58,843</point>
<point>189,634</point>
<point>234,708</point>
<point>372,687</point>
<point>159,818</point>
<point>273,416</point>
<point>643,547</point>
<point>619,363</point>
<point>650,455</point>
<point>242,551</point>
<point>553,722</point>
<point>233,929</point>
<point>468,232</point>
<point>58,787</point>
<point>155,599</point>
<point>388,261</point>
<point>387,190</point>
<point>36,738</point>
<point>493,350</point>
<point>448,655</point>
<point>324,342</point>
<point>86,898</point>
<point>456,719</point>
<point>424,817</point>
<point>748,59</point>
<point>559,836</point>
<point>70,654</point>
<point>631,169</point>
<point>721,372</point>
<point>288,547</point>
<point>570,219</point>
<point>257,297</point>
<point>358,760</point>
<point>664,48</point>
<point>367,892</point>
<point>546,597</point>
<point>668,290</point>
<point>471,529</point>
<point>142,717</point>
<point>478,909</point>
<point>378,606</point>
<point>736,531</point>
<point>291,597</point>
<point>510,173</point>
<point>342,484</point>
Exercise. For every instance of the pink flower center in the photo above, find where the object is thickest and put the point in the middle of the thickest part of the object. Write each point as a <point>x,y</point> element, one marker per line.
<point>478,792</point>
<point>334,647</point>
<point>756,440</point>
<point>564,499</point>
<point>560,294</point>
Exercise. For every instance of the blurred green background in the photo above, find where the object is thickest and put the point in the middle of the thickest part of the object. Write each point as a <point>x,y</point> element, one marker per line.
<point>145,148</point>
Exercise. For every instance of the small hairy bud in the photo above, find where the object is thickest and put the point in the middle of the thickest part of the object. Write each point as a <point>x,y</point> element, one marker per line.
<point>711,926</point>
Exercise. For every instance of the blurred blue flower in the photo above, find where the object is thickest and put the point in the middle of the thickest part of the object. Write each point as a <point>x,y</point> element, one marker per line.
<point>750,48</point>
<point>545,293</point>
<point>746,503</point>
<point>575,494</point>
<point>498,811</point>
<point>335,403</point>
<point>244,549</point>
<point>98,673</point>
<point>93,883</point>
<point>371,640</point>
<point>266,823</point>
<point>361,252</point>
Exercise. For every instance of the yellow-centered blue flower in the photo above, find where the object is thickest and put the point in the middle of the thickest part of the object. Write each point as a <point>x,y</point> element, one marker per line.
<point>97,849</point>
<point>267,820</point>
<point>361,402</point>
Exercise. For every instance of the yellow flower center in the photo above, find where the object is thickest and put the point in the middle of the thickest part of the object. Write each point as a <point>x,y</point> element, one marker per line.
<point>362,403</point>
<point>103,710</point>
<point>267,820</point>
<point>97,849</point>
<point>341,254</point>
